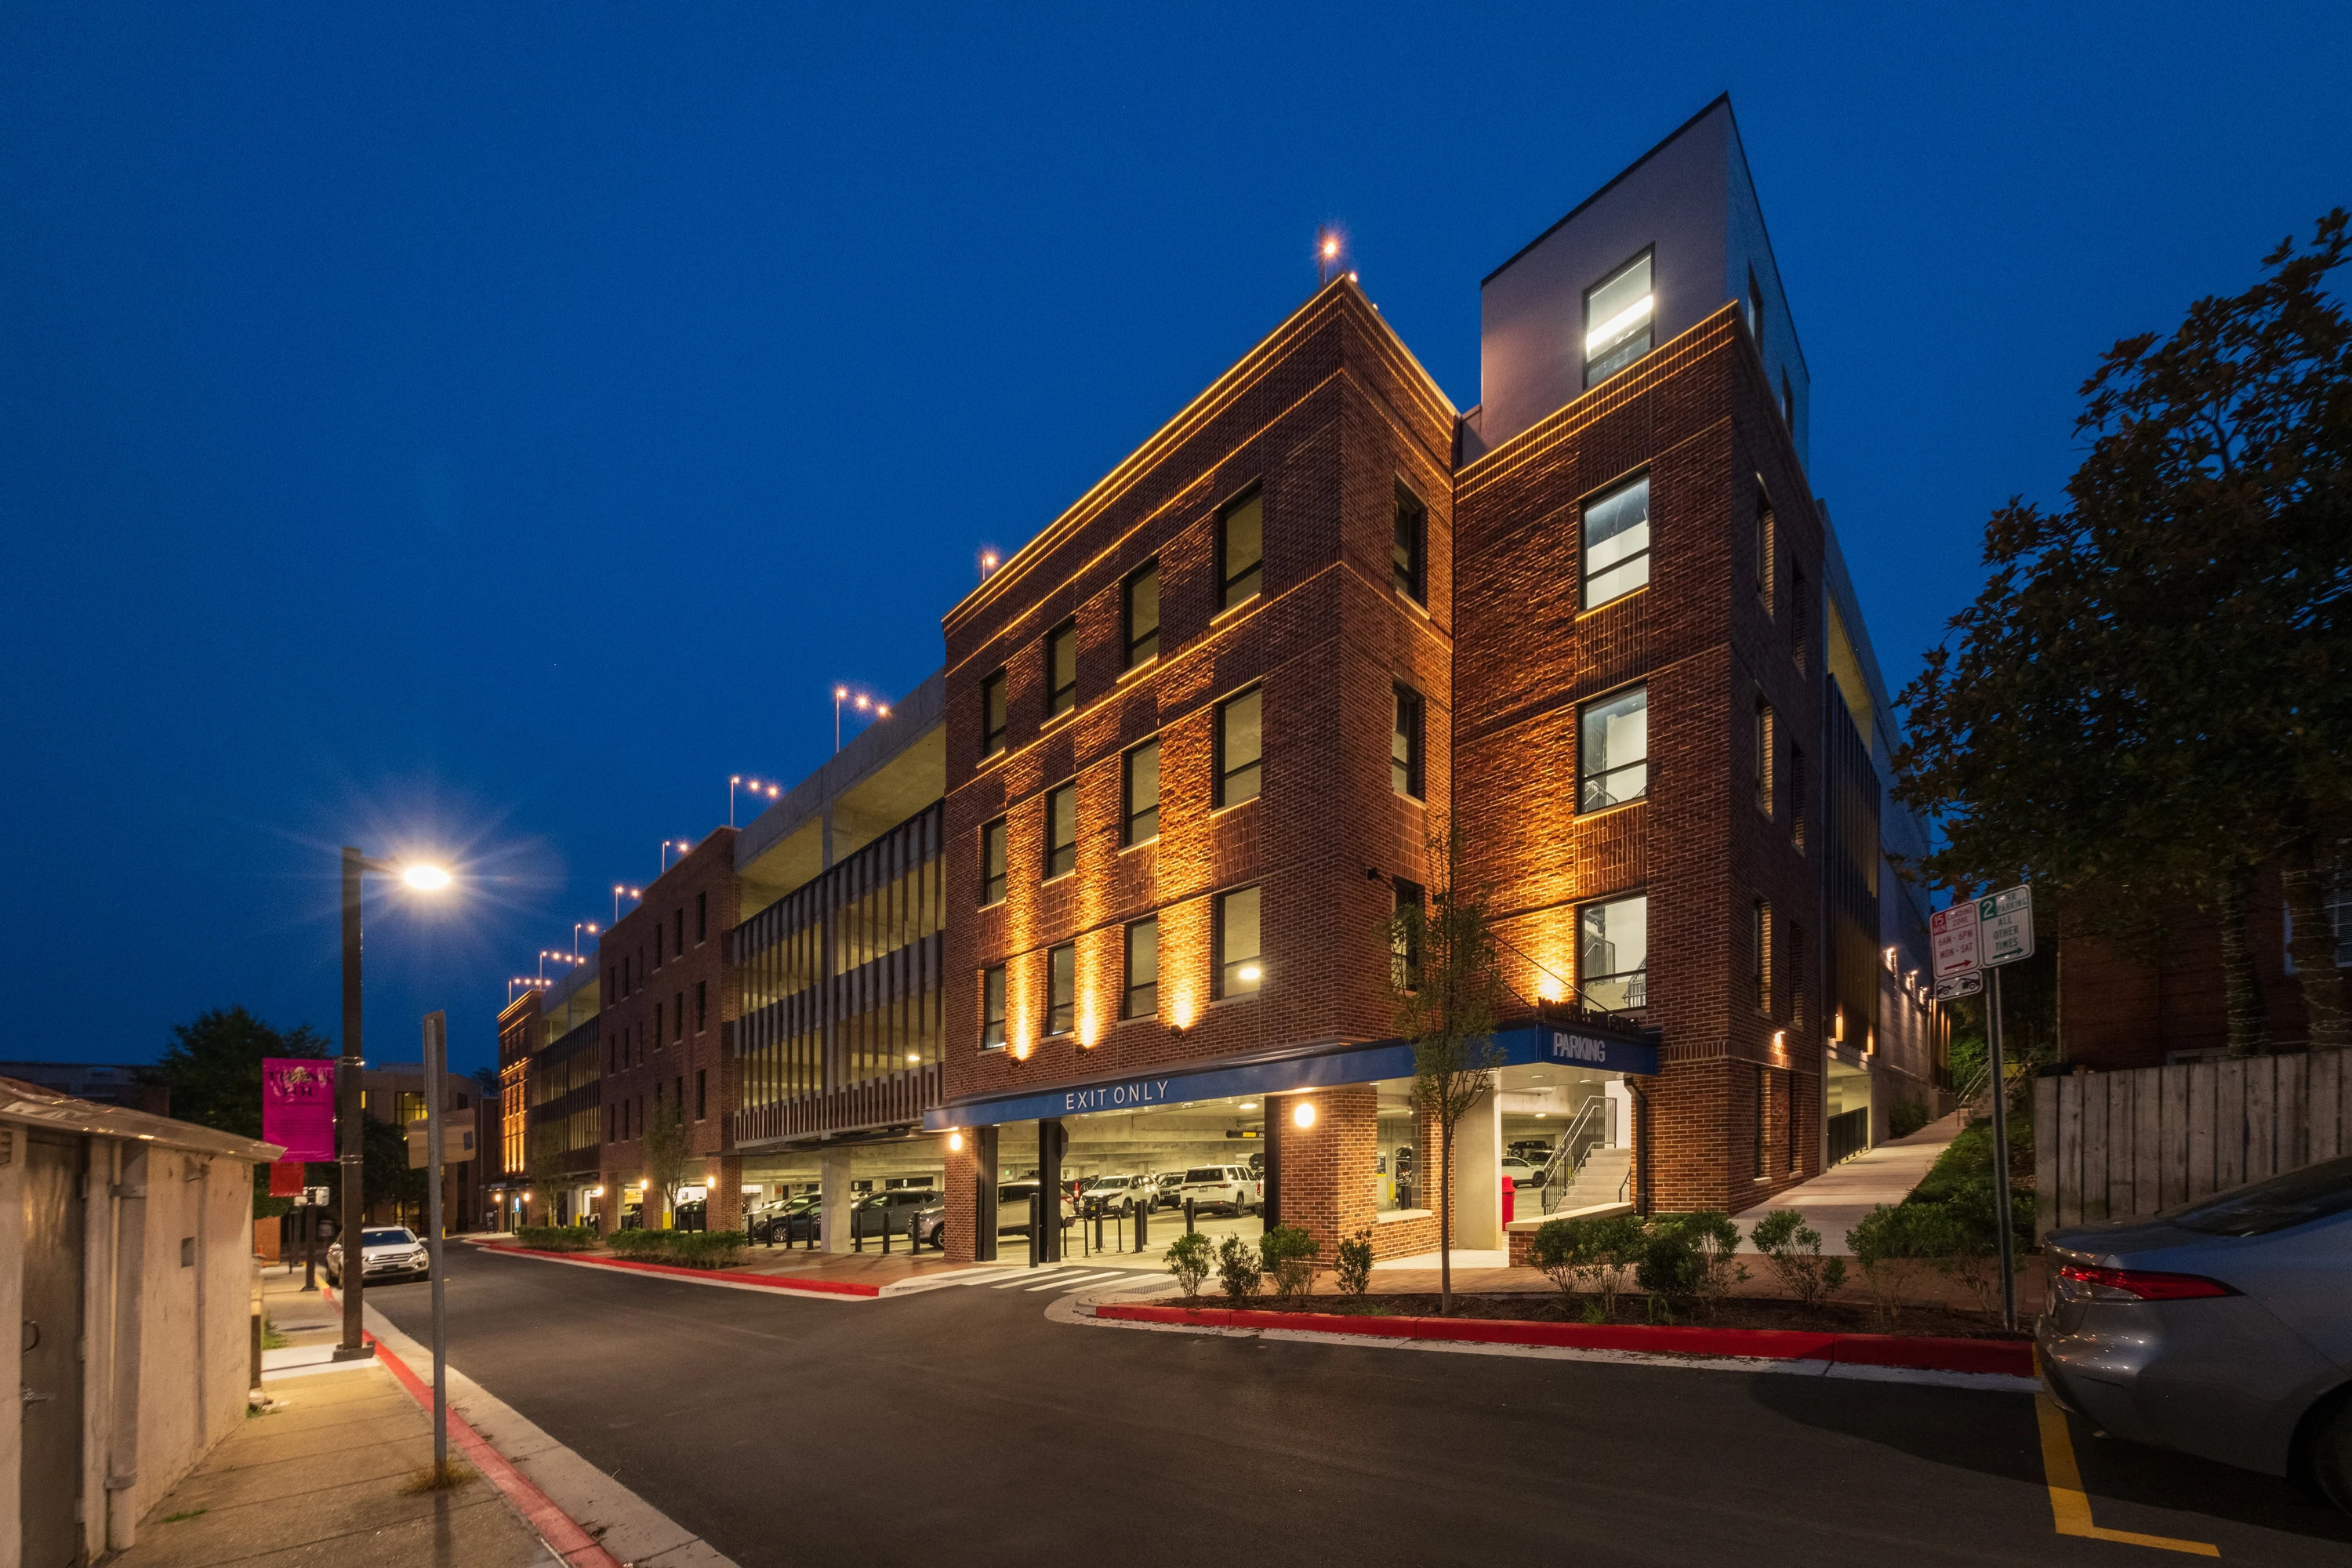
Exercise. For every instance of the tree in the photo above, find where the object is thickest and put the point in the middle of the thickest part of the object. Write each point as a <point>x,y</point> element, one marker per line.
<point>486,1079</point>
<point>544,1158</point>
<point>213,1068</point>
<point>384,1175</point>
<point>666,1154</point>
<point>2148,702</point>
<point>1447,987</point>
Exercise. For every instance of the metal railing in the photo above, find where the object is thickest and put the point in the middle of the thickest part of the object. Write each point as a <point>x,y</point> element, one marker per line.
<point>1587,1132</point>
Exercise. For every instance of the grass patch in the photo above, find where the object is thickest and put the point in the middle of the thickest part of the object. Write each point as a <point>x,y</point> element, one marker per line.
<point>191,1513</point>
<point>446,1477</point>
<point>271,1340</point>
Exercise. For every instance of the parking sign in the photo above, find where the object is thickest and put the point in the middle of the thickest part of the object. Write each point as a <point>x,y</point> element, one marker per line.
<point>2005,926</point>
<point>1953,934</point>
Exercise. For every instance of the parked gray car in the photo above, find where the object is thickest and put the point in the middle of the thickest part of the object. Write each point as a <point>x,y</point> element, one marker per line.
<point>2221,1327</point>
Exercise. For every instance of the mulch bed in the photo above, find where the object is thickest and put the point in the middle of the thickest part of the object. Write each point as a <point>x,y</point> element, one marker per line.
<point>1633,1309</point>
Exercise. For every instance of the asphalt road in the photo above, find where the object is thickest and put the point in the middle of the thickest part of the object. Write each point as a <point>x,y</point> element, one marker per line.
<point>961,1425</point>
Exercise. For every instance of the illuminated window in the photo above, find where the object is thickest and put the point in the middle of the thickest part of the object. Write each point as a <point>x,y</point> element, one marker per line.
<point>1241,549</point>
<point>1141,615</point>
<point>991,863</point>
<point>1240,748</point>
<point>1240,967</point>
<point>1062,831</point>
<point>1612,953</point>
<point>1405,744</point>
<point>992,714</point>
<point>991,1008</point>
<point>1759,944</point>
<point>1061,669</point>
<point>1139,792</point>
<point>1767,748</point>
<point>1765,549</point>
<point>1617,321</point>
<point>1408,555</point>
<point>1614,750</point>
<point>1142,969</point>
<point>1617,542</point>
<point>1061,989</point>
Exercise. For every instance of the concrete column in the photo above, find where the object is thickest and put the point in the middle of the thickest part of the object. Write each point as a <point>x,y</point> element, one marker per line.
<point>1478,1176</point>
<point>726,1210</point>
<point>834,1197</point>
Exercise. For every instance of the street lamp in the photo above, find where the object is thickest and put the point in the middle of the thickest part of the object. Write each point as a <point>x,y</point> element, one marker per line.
<point>680,845</point>
<point>577,927</point>
<point>618,889</point>
<point>424,878</point>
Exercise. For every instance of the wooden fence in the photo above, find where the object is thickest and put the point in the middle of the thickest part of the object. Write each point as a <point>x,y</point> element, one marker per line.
<point>2110,1145</point>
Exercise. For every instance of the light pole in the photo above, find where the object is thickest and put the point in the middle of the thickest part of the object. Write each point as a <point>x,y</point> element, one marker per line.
<point>618,889</point>
<point>577,927</point>
<point>680,845</point>
<point>349,1142</point>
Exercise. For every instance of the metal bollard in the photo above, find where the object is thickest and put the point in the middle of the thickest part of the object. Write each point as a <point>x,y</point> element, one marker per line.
<point>857,1227</point>
<point>1037,1229</point>
<point>1189,1226</point>
<point>886,1233</point>
<point>1142,1224</point>
<point>1099,1239</point>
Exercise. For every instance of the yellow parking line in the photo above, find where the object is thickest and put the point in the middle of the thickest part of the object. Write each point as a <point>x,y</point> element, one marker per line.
<point>2070,1506</point>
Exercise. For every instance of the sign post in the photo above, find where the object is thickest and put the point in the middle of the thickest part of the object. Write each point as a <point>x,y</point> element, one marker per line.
<point>1972,942</point>
<point>436,1067</point>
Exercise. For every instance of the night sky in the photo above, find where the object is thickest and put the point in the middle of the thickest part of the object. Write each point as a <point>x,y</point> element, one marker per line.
<point>489,429</point>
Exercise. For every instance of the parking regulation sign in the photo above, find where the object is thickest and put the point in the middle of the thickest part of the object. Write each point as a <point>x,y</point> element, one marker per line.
<point>1967,984</point>
<point>2005,927</point>
<point>1953,934</point>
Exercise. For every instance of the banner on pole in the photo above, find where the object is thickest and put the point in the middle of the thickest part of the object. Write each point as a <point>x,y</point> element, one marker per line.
<point>286,1179</point>
<point>298,1106</point>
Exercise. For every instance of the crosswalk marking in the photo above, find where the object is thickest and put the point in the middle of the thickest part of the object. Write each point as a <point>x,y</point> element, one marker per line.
<point>1081,1279</point>
<point>1025,1276</point>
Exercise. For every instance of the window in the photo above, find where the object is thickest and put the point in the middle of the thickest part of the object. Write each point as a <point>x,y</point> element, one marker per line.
<point>1765,739</point>
<point>657,1023</point>
<point>992,715</point>
<point>1796,966</point>
<point>1241,549</point>
<point>1800,613</point>
<point>1061,989</point>
<point>701,1097</point>
<point>657,941</point>
<point>1617,312</point>
<point>1797,796</point>
<point>1788,403</point>
<point>1142,969</point>
<point>1141,615</point>
<point>1139,793</point>
<point>1240,748</point>
<point>1612,953</point>
<point>1062,831</point>
<point>991,863</point>
<point>1405,743</point>
<point>1764,549</point>
<point>677,931</point>
<point>1617,542</point>
<point>1614,750</point>
<point>1240,971</point>
<point>701,919</point>
<point>1759,953</point>
<point>1407,561</point>
<point>1061,669</point>
<point>678,1016</point>
<point>701,1005</point>
<point>1405,937</point>
<point>991,1008</point>
<point>1755,309</point>
<point>1763,1089</point>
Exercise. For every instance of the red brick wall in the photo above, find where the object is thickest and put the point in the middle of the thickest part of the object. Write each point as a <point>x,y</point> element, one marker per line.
<point>2132,1004</point>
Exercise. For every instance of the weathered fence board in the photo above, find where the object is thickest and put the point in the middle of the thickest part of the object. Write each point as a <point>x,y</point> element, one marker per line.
<point>2114,1144</point>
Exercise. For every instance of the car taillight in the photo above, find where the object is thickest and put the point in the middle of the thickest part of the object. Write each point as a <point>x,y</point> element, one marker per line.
<point>2144,1284</point>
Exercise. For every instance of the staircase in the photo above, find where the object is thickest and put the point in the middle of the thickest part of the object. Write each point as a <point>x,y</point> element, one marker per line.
<point>1600,1181</point>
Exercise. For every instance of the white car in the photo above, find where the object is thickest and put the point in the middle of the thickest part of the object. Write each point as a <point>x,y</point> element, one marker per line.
<point>1114,1193</point>
<point>386,1252</point>
<point>1522,1174</point>
<point>1233,1188</point>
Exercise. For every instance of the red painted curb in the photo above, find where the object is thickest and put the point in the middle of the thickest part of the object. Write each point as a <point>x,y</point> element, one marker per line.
<point>765,1281</point>
<point>2014,1357</point>
<point>562,1533</point>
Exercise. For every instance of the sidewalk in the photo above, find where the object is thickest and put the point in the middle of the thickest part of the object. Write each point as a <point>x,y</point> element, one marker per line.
<point>1836,1201</point>
<point>323,1475</point>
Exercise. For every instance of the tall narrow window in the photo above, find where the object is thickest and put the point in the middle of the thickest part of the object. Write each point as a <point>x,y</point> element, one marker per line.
<point>1142,998</point>
<point>1755,309</point>
<point>1405,744</point>
<point>1240,966</point>
<point>701,1005</point>
<point>991,863</point>
<point>1062,989</point>
<point>1759,953</point>
<point>1612,953</point>
<point>1763,1083</point>
<point>1765,559</point>
<point>701,1095</point>
<point>1800,613</point>
<point>1617,542</point>
<point>657,1023</point>
<point>1796,796</point>
<point>1788,403</point>
<point>678,1016</point>
<point>991,1008</point>
<point>1614,750</point>
<point>678,929</point>
<point>1617,321</point>
<point>1061,669</point>
<point>1142,614</point>
<point>1239,747</point>
<point>1404,936</point>
<point>992,715</point>
<point>1409,556</point>
<point>1139,793</point>
<point>1796,970</point>
<point>701,919</point>
<point>1241,549</point>
<point>1764,748</point>
<point>1062,830</point>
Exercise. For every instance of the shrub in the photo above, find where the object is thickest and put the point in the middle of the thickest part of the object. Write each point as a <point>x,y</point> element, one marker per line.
<point>705,1248</point>
<point>1189,1260</point>
<point>1287,1253</point>
<point>557,1238</point>
<point>1354,1269</point>
<point>1593,1252</point>
<point>1794,1248</point>
<point>636,1243</point>
<point>1689,1257</point>
<point>1239,1273</point>
<point>1893,1244</point>
<point>1908,1116</point>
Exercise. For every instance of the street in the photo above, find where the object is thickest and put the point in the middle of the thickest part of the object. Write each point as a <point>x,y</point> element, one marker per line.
<point>962,1421</point>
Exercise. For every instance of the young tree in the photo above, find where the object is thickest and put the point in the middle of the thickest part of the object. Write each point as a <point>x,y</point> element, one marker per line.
<point>544,1159</point>
<point>2148,702</point>
<point>1447,987</point>
<point>213,1068</point>
<point>666,1154</point>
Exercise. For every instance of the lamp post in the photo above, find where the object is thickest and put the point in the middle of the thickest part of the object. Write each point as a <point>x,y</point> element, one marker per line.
<point>618,890</point>
<point>349,1139</point>
<point>577,927</point>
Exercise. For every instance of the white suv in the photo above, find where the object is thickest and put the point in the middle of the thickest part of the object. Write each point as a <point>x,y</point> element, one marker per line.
<point>1115,1193</point>
<point>1235,1188</point>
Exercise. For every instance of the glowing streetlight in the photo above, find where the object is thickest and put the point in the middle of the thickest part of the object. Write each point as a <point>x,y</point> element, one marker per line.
<point>426,878</point>
<point>680,845</point>
<point>577,927</point>
<point>1326,255</point>
<point>621,891</point>
<point>987,563</point>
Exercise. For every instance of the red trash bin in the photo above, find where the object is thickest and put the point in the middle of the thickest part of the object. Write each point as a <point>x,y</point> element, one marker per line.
<point>1510,1199</point>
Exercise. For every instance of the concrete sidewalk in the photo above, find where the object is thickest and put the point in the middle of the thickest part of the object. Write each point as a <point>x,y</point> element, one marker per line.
<point>1835,1201</point>
<point>322,1476</point>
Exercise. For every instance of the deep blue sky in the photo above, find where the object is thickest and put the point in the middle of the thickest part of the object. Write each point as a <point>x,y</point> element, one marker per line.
<point>494,426</point>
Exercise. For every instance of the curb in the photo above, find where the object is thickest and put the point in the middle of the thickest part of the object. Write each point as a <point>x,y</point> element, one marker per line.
<point>562,1533</point>
<point>2012,1358</point>
<point>677,1271</point>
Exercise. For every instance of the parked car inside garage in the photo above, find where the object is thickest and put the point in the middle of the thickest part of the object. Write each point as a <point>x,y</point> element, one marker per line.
<point>1235,1189</point>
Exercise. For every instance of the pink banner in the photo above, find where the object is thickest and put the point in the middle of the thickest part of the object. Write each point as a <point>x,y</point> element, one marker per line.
<point>298,1106</point>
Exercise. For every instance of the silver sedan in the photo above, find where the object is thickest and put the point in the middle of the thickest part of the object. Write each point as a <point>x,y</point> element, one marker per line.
<point>2223,1329</point>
